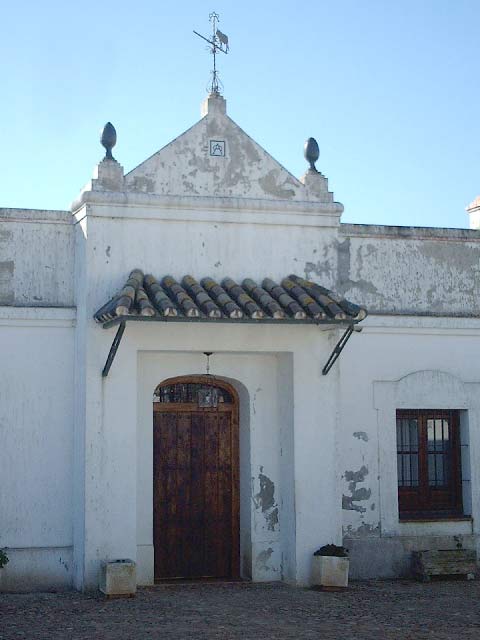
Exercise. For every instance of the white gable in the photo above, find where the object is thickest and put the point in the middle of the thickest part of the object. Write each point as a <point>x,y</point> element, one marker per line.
<point>216,157</point>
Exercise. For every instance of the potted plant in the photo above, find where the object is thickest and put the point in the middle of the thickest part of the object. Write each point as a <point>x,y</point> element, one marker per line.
<point>3,559</point>
<point>330,568</point>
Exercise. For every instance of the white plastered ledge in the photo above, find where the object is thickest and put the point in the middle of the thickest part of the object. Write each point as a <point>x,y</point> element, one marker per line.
<point>429,389</point>
<point>37,316</point>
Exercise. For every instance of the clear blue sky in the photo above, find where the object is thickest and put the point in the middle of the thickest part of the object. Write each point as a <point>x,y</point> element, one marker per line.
<point>389,89</point>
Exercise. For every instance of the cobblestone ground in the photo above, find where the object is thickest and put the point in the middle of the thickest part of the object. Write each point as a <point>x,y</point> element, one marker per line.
<point>374,610</point>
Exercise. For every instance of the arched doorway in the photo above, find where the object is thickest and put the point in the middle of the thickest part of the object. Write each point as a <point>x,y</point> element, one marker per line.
<point>195,479</point>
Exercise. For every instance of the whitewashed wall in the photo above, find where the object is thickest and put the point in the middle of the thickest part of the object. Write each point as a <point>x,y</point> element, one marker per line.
<point>36,258</point>
<point>200,248</point>
<point>261,432</point>
<point>217,237</point>
<point>118,439</point>
<point>410,270</point>
<point>379,373</point>
<point>36,454</point>
<point>394,270</point>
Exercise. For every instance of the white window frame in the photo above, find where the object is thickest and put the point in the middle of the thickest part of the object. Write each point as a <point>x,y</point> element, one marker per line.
<point>429,389</point>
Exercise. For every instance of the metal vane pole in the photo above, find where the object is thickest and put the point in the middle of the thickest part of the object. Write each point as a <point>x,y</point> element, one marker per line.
<point>213,17</point>
<point>218,42</point>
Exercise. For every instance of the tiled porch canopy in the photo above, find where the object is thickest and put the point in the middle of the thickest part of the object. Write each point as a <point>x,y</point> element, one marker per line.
<point>293,300</point>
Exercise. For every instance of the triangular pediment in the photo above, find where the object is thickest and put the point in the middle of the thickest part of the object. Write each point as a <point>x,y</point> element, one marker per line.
<point>217,158</point>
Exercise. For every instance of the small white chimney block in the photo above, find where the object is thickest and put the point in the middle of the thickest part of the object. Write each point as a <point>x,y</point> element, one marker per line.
<point>118,578</point>
<point>214,104</point>
<point>473,211</point>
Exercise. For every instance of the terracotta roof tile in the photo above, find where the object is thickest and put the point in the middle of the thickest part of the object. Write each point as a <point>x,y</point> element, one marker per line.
<point>143,296</point>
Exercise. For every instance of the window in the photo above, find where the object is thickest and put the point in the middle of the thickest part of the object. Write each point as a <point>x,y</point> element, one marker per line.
<point>428,463</point>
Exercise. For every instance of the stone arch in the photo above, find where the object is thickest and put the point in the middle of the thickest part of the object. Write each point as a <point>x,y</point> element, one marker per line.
<point>430,388</point>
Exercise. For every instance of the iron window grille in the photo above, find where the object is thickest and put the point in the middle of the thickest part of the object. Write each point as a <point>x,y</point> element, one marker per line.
<point>428,464</point>
<point>202,394</point>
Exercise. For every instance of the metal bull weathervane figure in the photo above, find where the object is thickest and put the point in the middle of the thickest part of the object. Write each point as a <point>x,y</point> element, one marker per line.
<point>223,39</point>
<point>217,42</point>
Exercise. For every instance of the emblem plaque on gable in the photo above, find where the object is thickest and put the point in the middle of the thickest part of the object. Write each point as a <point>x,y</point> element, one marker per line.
<point>217,148</point>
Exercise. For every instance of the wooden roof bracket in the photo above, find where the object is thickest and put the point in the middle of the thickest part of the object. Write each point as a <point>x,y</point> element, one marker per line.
<point>339,348</point>
<point>113,349</point>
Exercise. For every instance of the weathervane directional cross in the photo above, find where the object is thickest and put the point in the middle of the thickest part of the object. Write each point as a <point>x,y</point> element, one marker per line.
<point>218,42</point>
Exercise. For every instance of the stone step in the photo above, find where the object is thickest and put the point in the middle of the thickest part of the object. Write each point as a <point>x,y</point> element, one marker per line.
<point>447,562</point>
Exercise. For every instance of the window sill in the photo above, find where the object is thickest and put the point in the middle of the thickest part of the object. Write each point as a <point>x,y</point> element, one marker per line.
<point>411,520</point>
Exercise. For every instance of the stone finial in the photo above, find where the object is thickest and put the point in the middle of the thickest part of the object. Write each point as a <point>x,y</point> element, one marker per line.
<point>316,184</point>
<point>108,140</point>
<point>311,153</point>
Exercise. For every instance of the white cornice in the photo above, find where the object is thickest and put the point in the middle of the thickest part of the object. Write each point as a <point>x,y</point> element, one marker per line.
<point>212,209</point>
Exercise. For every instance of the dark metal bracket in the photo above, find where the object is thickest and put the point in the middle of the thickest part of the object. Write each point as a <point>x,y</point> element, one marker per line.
<point>339,348</point>
<point>330,362</point>
<point>113,349</point>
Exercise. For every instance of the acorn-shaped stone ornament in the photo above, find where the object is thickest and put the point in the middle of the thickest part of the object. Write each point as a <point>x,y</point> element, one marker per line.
<point>108,140</point>
<point>312,153</point>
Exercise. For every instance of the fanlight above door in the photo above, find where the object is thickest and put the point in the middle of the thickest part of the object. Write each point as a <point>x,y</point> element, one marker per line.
<point>204,394</point>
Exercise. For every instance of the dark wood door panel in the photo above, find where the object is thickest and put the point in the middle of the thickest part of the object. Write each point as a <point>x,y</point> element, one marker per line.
<point>195,494</point>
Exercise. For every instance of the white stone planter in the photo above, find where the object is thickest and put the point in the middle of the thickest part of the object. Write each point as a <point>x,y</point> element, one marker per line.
<point>118,578</point>
<point>330,572</point>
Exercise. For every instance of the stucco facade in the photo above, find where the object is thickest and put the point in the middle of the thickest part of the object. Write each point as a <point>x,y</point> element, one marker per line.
<point>317,460</point>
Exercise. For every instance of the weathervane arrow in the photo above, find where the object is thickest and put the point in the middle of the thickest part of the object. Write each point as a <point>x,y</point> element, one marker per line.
<point>217,42</point>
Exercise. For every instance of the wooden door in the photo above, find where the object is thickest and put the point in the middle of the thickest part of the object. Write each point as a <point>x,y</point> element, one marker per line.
<point>195,476</point>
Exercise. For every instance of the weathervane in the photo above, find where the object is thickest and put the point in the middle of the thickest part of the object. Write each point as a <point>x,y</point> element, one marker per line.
<point>218,42</point>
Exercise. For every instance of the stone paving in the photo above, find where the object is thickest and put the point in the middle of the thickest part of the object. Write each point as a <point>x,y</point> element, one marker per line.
<point>375,610</point>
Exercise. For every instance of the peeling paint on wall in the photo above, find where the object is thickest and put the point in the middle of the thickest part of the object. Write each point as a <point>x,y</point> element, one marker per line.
<point>262,560</point>
<point>410,270</point>
<point>273,187</point>
<point>265,500</point>
<point>6,282</point>
<point>361,435</point>
<point>356,495</point>
<point>345,281</point>
<point>321,269</point>
<point>272,519</point>
<point>363,531</point>
<point>254,402</point>
<point>42,275</point>
<point>142,183</point>
<point>185,166</point>
<point>356,476</point>
<point>6,236</point>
